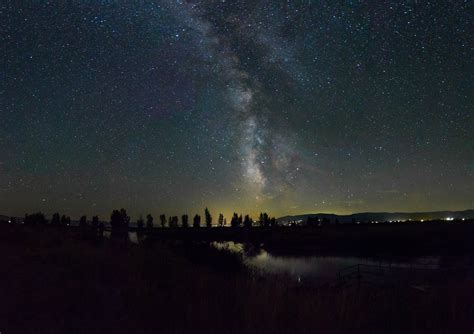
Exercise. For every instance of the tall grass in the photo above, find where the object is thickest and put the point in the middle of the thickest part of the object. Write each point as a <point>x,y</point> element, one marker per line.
<point>73,286</point>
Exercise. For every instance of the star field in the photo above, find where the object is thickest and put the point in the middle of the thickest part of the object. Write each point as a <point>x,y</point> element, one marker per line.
<point>279,106</point>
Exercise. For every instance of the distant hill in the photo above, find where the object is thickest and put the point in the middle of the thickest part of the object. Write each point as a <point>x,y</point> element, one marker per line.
<point>382,216</point>
<point>358,217</point>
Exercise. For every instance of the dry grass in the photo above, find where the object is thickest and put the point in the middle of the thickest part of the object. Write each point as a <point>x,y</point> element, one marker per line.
<point>55,284</point>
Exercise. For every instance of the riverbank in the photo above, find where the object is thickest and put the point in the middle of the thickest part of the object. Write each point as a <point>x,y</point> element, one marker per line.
<point>412,238</point>
<point>54,282</point>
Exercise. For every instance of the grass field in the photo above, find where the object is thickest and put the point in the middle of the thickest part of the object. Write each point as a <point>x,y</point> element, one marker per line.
<point>54,282</point>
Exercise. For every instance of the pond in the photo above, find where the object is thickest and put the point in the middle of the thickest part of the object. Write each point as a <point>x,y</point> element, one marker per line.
<point>324,267</point>
<point>317,267</point>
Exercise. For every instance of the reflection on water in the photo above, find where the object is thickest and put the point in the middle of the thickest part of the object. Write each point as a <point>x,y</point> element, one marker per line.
<point>320,267</point>
<point>313,267</point>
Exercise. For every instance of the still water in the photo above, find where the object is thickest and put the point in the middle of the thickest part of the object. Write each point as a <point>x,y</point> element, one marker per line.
<point>316,267</point>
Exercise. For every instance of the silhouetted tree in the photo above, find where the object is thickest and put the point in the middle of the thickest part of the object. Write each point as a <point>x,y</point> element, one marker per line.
<point>149,222</point>
<point>225,222</point>
<point>266,221</point>
<point>55,219</point>
<point>184,221</point>
<point>208,217</point>
<point>83,221</point>
<point>247,222</point>
<point>234,222</point>
<point>35,219</point>
<point>140,226</point>
<point>273,222</point>
<point>40,218</point>
<point>260,219</point>
<point>163,220</point>
<point>220,221</point>
<point>95,226</point>
<point>173,222</point>
<point>197,221</point>
<point>119,220</point>
<point>101,229</point>
<point>83,226</point>
<point>95,222</point>
<point>65,221</point>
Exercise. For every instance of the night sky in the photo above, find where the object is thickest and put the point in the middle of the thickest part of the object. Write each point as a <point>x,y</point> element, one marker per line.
<point>280,106</point>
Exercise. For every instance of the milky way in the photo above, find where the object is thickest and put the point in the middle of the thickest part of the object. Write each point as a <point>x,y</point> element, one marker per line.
<point>248,106</point>
<point>258,152</point>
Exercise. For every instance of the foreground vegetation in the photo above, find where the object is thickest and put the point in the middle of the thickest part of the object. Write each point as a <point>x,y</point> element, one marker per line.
<point>57,281</point>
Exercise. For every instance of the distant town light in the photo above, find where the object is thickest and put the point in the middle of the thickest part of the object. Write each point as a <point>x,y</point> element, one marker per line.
<point>449,219</point>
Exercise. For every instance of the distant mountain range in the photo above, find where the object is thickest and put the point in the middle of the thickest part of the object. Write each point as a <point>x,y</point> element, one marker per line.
<point>382,216</point>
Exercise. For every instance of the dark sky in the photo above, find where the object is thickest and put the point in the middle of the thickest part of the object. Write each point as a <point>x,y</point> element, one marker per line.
<point>283,106</point>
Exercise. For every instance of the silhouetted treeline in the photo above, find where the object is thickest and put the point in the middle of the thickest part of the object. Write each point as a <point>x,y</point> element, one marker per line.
<point>119,221</point>
<point>119,225</point>
<point>35,219</point>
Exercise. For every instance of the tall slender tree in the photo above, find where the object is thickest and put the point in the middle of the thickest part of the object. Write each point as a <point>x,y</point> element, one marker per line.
<point>55,220</point>
<point>247,222</point>
<point>95,225</point>
<point>149,221</point>
<point>65,221</point>
<point>83,221</point>
<point>140,231</point>
<point>95,221</point>
<point>220,220</point>
<point>197,221</point>
<point>83,226</point>
<point>208,217</point>
<point>174,221</point>
<point>119,220</point>
<point>163,220</point>
<point>184,221</point>
<point>234,222</point>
